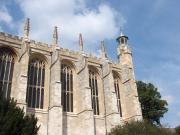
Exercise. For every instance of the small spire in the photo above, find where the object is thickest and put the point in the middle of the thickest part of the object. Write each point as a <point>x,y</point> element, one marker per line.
<point>103,50</point>
<point>26,28</point>
<point>81,42</point>
<point>55,36</point>
<point>102,46</point>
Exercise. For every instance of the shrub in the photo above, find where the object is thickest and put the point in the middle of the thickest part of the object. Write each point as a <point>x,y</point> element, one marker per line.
<point>177,130</point>
<point>139,128</point>
<point>13,120</point>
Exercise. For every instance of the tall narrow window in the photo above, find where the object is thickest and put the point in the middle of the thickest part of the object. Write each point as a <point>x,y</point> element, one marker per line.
<point>35,86</point>
<point>94,91</point>
<point>6,71</point>
<point>116,86</point>
<point>67,88</point>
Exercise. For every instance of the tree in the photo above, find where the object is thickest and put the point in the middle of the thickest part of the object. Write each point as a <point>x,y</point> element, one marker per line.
<point>139,128</point>
<point>153,107</point>
<point>177,130</point>
<point>13,120</point>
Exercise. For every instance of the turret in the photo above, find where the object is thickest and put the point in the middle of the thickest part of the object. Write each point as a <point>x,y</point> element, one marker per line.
<point>124,51</point>
<point>132,110</point>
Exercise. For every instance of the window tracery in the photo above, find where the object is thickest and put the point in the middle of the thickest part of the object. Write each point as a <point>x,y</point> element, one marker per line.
<point>94,91</point>
<point>67,88</point>
<point>35,86</point>
<point>6,71</point>
<point>117,91</point>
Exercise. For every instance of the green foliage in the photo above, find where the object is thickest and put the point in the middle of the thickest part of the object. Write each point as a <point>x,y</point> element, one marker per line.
<point>177,130</point>
<point>139,128</point>
<point>153,107</point>
<point>13,121</point>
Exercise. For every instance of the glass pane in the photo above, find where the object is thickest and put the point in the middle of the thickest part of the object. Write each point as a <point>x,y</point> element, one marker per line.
<point>29,97</point>
<point>11,71</point>
<point>97,104</point>
<point>35,76</point>
<point>96,86</point>
<point>2,71</point>
<point>1,66</point>
<point>9,90</point>
<point>64,101</point>
<point>5,90</point>
<point>37,98</point>
<point>67,96</point>
<point>7,71</point>
<point>71,102</point>
<point>31,73</point>
<point>42,98</point>
<point>71,82</point>
<point>34,97</point>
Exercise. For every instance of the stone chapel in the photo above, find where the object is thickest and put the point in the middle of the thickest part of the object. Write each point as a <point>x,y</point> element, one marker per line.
<point>71,93</point>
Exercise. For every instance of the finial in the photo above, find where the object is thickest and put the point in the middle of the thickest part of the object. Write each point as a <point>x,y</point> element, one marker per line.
<point>26,28</point>
<point>121,32</point>
<point>81,42</point>
<point>55,36</point>
<point>103,50</point>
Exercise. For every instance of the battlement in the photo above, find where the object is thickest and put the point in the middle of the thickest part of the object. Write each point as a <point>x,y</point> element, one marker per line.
<point>47,47</point>
<point>10,36</point>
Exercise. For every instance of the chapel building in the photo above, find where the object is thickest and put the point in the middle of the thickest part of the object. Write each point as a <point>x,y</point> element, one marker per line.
<point>71,93</point>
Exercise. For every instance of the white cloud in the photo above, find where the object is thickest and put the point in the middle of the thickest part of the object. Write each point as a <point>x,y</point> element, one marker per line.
<point>5,16</point>
<point>169,98</point>
<point>1,28</point>
<point>72,17</point>
<point>178,114</point>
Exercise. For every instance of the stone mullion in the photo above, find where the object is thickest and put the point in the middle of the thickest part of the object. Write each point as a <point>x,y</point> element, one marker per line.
<point>97,92</point>
<point>36,92</point>
<point>69,93</point>
<point>95,100</point>
<point>29,78</point>
<point>119,99</point>
<point>41,86</point>
<point>5,91</point>
<point>116,93</point>
<point>33,84</point>
<point>8,83</point>
<point>71,88</point>
<point>66,90</point>
<point>92,88</point>
<point>1,66</point>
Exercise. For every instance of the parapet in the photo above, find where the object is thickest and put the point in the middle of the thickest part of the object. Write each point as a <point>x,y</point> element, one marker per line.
<point>10,38</point>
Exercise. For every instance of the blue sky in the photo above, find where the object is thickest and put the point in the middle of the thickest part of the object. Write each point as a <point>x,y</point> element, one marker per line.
<point>153,28</point>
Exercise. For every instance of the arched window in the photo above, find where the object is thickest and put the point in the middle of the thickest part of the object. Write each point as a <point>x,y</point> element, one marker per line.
<point>94,91</point>
<point>116,87</point>
<point>35,86</point>
<point>67,88</point>
<point>6,71</point>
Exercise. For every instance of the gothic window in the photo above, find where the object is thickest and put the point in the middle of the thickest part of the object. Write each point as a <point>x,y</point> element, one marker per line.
<point>67,88</point>
<point>35,86</point>
<point>116,87</point>
<point>94,91</point>
<point>6,71</point>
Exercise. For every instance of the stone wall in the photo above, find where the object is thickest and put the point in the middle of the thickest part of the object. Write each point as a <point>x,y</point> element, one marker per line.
<point>82,121</point>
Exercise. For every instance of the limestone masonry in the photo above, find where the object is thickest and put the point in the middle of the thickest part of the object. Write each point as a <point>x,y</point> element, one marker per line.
<point>71,93</point>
